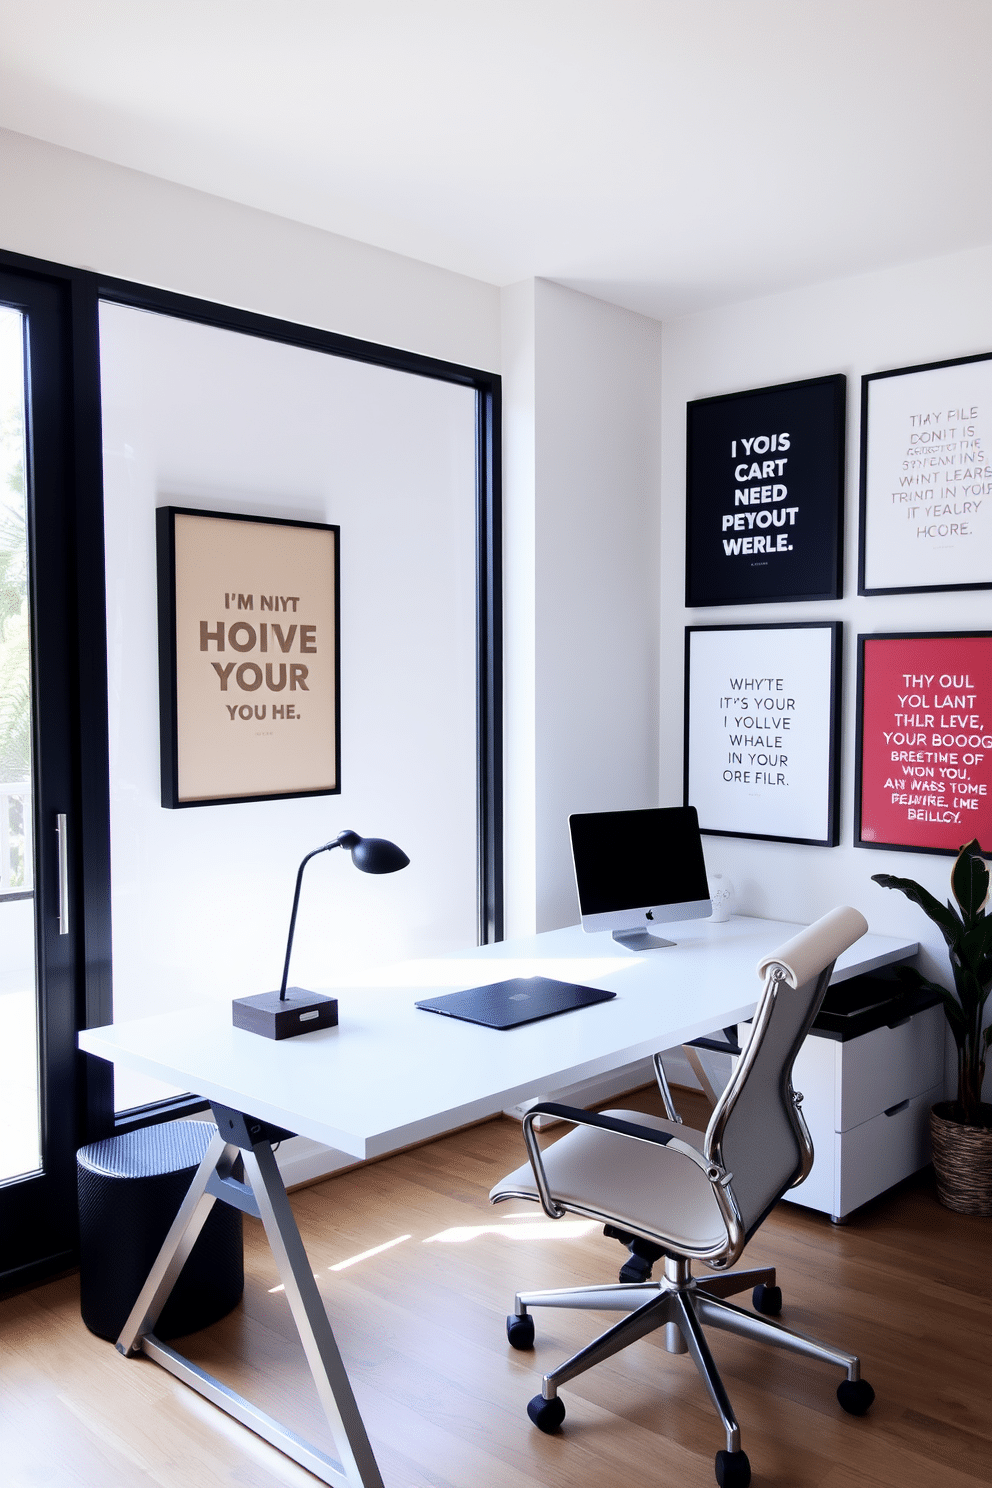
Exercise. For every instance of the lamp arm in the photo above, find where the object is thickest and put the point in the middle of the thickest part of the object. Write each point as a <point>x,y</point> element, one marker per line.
<point>296,904</point>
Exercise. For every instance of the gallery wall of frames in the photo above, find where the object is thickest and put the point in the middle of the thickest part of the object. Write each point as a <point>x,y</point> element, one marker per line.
<point>765,510</point>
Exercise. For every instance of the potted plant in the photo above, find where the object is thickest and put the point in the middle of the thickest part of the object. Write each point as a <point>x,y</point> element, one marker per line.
<point>961,1129</point>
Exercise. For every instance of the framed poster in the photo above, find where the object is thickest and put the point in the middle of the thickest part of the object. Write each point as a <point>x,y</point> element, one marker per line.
<point>926,478</point>
<point>765,494</point>
<point>248,657</point>
<point>762,721</point>
<point>924,750</point>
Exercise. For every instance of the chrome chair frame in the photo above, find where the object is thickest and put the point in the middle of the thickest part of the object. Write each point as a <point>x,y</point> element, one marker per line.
<point>679,1302</point>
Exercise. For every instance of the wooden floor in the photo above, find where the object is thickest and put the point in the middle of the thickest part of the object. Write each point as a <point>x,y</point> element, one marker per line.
<point>421,1328</point>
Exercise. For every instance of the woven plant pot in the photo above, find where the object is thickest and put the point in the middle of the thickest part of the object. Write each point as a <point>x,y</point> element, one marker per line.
<point>962,1161</point>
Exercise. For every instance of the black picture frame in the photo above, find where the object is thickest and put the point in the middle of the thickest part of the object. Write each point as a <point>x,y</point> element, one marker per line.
<point>182,717</point>
<point>924,783</point>
<point>882,543</point>
<point>795,510</point>
<point>787,792</point>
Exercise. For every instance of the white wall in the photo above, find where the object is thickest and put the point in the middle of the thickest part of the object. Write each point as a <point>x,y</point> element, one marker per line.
<point>198,416</point>
<point>75,209</point>
<point>917,313</point>
<point>582,481</point>
<point>581,398</point>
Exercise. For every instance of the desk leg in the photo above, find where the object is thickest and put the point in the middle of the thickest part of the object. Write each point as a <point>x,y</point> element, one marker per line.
<point>263,1196</point>
<point>193,1212</point>
<point>313,1326</point>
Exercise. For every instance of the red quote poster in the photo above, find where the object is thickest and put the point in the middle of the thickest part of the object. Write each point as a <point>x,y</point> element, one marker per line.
<point>926,744</point>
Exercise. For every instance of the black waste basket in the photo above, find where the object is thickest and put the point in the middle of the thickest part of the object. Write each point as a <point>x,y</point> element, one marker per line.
<point>130,1189</point>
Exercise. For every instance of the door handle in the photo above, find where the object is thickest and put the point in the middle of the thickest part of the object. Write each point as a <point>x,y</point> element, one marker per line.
<point>62,831</point>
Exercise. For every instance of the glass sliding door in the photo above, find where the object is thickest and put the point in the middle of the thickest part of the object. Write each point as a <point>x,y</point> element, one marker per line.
<point>20,1111</point>
<point>226,411</point>
<point>39,794</point>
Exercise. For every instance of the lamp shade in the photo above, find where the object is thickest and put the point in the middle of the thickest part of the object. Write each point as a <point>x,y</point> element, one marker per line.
<point>376,855</point>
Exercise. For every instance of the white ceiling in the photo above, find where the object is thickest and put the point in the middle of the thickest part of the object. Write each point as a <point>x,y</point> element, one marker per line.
<point>664,154</point>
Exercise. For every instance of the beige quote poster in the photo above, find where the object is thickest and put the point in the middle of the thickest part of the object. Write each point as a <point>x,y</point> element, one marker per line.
<point>256,691</point>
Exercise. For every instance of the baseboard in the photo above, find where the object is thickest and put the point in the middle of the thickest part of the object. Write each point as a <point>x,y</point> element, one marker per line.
<point>302,1161</point>
<point>20,1278</point>
<point>629,1077</point>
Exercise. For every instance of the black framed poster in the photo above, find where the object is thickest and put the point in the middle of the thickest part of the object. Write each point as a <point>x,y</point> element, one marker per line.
<point>249,688</point>
<point>924,741</point>
<point>765,494</point>
<point>762,726</point>
<point>926,478</point>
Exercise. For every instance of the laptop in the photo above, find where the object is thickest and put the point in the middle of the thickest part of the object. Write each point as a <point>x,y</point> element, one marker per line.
<point>519,1000</point>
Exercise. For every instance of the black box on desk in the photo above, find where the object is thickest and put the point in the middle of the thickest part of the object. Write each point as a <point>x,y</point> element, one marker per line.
<point>279,1018</point>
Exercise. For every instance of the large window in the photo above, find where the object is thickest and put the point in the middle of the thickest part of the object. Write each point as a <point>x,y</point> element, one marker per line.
<point>19,1052</point>
<point>110,904</point>
<point>42,952</point>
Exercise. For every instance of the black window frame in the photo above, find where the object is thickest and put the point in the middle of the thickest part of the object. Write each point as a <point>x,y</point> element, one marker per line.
<point>83,291</point>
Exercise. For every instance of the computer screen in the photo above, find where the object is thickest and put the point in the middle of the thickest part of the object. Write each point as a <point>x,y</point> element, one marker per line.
<point>638,869</point>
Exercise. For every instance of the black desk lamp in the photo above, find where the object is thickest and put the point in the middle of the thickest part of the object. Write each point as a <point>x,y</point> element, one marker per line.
<point>291,1010</point>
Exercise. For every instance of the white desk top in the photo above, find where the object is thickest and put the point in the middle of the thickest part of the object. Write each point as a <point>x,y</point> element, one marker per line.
<point>391,1074</point>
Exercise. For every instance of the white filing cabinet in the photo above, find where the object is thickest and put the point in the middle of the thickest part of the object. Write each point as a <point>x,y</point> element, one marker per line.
<point>866,1101</point>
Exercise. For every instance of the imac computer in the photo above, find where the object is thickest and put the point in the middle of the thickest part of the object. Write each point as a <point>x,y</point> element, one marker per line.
<point>638,869</point>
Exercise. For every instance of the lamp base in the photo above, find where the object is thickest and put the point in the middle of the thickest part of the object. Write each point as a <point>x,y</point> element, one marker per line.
<point>298,1012</point>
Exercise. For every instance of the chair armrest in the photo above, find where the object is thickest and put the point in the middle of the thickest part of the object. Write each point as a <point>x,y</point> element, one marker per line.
<point>578,1117</point>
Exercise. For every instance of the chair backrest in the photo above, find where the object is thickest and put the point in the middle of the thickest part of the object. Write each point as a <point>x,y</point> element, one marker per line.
<point>755,1131</point>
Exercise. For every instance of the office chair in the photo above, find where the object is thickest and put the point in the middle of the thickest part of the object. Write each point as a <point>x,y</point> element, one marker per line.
<point>685,1196</point>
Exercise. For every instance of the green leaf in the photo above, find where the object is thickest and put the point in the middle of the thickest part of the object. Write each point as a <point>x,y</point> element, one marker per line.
<point>976,948</point>
<point>943,916</point>
<point>969,992</point>
<point>970,880</point>
<point>955,1018</point>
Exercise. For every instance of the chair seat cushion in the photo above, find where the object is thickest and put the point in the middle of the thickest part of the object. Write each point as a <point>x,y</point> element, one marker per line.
<point>634,1185</point>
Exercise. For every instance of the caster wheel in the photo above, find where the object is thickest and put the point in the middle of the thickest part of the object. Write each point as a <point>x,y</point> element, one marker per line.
<point>520,1331</point>
<point>855,1396</point>
<point>767,1300</point>
<point>547,1415</point>
<point>733,1469</point>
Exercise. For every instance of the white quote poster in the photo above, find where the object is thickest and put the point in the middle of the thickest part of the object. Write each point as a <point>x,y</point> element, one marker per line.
<point>927,520</point>
<point>761,730</point>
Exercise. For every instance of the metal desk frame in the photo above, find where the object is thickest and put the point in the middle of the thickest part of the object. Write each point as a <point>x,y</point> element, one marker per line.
<point>262,1195</point>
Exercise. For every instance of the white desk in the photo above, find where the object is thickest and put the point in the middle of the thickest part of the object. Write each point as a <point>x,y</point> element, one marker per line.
<point>390,1074</point>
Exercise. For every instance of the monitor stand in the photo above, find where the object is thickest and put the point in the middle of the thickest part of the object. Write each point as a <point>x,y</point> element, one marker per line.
<point>640,940</point>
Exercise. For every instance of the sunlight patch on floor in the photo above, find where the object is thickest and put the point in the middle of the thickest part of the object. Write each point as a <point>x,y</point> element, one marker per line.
<point>540,1229</point>
<point>364,1255</point>
<point>367,1254</point>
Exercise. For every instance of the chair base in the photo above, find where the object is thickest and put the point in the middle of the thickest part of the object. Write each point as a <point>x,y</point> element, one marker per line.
<point>681,1305</point>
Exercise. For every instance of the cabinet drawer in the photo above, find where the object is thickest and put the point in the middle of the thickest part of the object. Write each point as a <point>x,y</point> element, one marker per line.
<point>880,1152</point>
<point>889,1065</point>
<point>820,1187</point>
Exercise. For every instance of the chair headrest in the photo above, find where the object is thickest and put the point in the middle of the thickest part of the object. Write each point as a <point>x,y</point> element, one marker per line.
<point>806,954</point>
